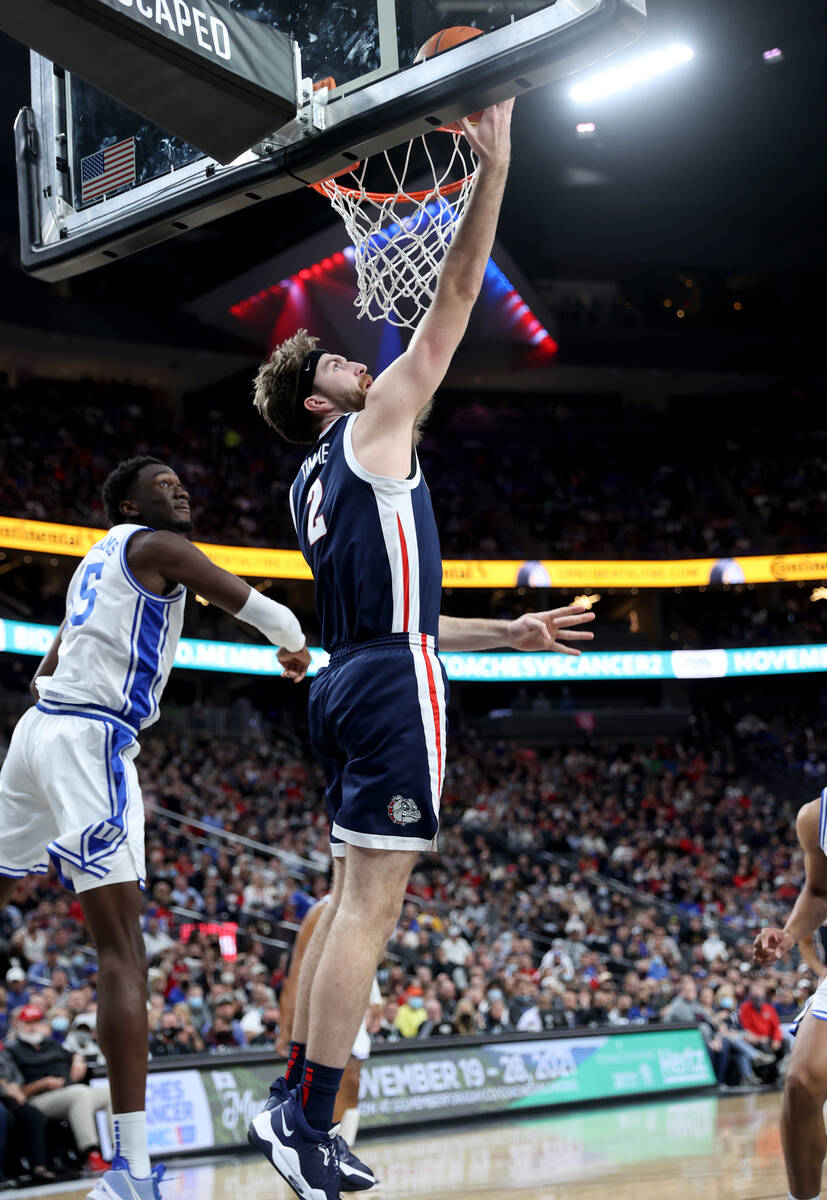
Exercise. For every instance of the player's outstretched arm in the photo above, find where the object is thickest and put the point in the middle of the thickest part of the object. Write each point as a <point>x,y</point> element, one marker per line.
<point>533,631</point>
<point>406,386</point>
<point>810,909</point>
<point>159,559</point>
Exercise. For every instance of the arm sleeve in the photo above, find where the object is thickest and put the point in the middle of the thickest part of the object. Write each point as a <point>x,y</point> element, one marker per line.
<point>278,624</point>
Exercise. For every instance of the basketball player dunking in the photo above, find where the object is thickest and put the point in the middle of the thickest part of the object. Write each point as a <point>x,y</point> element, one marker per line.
<point>805,1087</point>
<point>366,526</point>
<point>69,790</point>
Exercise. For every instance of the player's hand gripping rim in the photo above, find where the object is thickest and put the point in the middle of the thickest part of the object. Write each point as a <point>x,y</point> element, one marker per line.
<point>550,630</point>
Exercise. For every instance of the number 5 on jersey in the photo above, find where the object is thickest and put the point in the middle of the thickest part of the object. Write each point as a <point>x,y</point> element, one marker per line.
<point>316,527</point>
<point>87,592</point>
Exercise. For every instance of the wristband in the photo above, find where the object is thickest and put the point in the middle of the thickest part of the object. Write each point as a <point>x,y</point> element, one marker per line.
<point>278,624</point>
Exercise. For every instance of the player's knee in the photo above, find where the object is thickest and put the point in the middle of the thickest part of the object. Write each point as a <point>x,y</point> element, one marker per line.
<point>804,1088</point>
<point>122,954</point>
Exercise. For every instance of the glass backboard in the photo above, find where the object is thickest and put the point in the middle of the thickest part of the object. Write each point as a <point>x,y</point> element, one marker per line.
<point>381,98</point>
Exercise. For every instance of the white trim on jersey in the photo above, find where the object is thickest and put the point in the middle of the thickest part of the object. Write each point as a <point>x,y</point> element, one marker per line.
<point>293,511</point>
<point>822,821</point>
<point>387,482</point>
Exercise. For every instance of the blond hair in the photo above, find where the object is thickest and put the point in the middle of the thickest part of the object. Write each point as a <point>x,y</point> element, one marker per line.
<point>274,394</point>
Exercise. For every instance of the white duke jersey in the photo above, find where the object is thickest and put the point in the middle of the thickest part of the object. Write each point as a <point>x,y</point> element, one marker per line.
<point>118,641</point>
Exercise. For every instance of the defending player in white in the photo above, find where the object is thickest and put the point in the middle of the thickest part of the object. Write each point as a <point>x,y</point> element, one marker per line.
<point>805,1088</point>
<point>69,791</point>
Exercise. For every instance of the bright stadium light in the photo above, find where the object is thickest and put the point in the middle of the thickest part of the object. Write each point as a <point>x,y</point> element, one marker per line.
<point>616,79</point>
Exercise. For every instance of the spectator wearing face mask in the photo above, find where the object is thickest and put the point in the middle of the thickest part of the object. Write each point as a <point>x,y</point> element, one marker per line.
<point>53,1081</point>
<point>411,1015</point>
<point>170,1040</point>
<point>82,1039</point>
<point>266,1039</point>
<point>60,1023</point>
<point>224,1020</point>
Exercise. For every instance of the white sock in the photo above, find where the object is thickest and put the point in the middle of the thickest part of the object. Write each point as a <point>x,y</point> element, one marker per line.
<point>131,1143</point>
<point>350,1125</point>
<point>792,1197</point>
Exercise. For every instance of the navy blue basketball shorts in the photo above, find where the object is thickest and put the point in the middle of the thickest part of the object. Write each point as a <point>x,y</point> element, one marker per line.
<point>377,725</point>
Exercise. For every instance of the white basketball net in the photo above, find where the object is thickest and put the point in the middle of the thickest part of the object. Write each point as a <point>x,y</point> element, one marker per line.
<point>401,236</point>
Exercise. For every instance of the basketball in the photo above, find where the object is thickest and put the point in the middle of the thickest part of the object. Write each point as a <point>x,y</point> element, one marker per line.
<point>446,39</point>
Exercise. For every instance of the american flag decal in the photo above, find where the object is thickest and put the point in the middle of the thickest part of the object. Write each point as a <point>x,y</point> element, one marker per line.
<point>107,170</point>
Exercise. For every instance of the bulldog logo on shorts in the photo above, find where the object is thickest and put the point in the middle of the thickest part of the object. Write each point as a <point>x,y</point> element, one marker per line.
<point>403,811</point>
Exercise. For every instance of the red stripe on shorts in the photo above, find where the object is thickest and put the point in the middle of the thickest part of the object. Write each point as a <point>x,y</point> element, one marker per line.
<point>434,706</point>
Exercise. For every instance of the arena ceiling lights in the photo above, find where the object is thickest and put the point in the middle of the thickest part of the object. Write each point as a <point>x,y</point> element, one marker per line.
<point>629,74</point>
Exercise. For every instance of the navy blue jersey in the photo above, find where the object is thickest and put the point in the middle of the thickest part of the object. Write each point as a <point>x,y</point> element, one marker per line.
<point>370,541</point>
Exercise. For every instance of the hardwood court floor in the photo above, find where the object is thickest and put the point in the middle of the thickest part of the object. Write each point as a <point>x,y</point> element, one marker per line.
<point>703,1148</point>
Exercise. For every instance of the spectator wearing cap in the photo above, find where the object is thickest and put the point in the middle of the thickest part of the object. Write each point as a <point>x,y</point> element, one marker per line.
<point>53,1080</point>
<point>411,1015</point>
<point>224,1031</point>
<point>82,1039</point>
<point>19,994</point>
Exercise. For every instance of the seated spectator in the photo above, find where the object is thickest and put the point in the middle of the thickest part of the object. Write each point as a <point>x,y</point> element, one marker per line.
<point>224,1018</point>
<point>156,939</point>
<point>17,992</point>
<point>437,1024</point>
<point>467,1020</point>
<point>497,1019</point>
<point>760,1025</point>
<point>542,1015</point>
<point>266,1039</point>
<point>54,1082</point>
<point>82,1039</point>
<point>170,1039</point>
<point>221,1035</point>
<point>22,1126</point>
<point>411,1015</point>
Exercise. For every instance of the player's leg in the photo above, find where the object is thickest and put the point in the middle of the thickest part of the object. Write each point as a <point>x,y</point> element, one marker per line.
<point>372,898</point>
<point>96,800</point>
<point>113,914</point>
<point>310,963</point>
<point>802,1116</point>
<point>347,1101</point>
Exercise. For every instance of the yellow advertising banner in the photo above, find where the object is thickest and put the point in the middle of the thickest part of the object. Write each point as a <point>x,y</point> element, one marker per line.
<point>261,563</point>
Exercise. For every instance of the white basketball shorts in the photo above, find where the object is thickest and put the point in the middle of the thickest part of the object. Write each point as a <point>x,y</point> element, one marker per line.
<point>69,792</point>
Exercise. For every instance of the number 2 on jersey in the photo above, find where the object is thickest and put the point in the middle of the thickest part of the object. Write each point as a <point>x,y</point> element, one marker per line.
<point>316,527</point>
<point>87,592</point>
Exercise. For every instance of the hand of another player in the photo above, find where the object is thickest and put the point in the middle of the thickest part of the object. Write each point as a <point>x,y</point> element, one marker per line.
<point>295,663</point>
<point>548,630</point>
<point>490,138</point>
<point>770,945</point>
<point>282,1045</point>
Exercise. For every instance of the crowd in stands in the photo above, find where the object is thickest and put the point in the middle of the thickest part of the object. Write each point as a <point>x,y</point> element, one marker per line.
<point>557,487</point>
<point>584,887</point>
